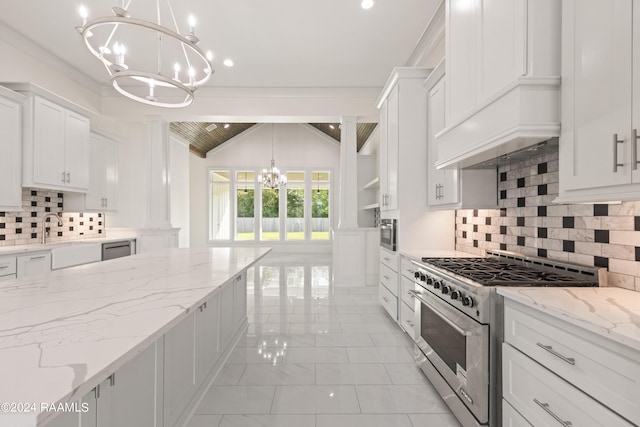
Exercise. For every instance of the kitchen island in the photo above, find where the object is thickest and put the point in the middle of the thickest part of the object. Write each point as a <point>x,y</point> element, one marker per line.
<point>65,333</point>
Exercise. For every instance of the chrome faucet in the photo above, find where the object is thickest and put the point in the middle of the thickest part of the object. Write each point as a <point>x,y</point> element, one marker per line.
<point>44,225</point>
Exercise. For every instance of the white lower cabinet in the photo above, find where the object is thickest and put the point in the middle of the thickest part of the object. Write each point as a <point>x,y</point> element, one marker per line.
<point>207,337</point>
<point>511,417</point>
<point>555,372</point>
<point>388,285</point>
<point>33,264</point>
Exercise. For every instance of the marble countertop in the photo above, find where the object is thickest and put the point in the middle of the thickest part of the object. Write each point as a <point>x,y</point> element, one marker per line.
<point>23,249</point>
<point>63,333</point>
<point>611,312</point>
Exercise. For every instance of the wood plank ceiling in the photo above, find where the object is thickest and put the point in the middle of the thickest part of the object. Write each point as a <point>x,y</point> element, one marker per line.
<point>205,136</point>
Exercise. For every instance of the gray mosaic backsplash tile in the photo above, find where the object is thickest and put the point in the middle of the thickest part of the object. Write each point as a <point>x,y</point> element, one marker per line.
<point>528,222</point>
<point>25,227</point>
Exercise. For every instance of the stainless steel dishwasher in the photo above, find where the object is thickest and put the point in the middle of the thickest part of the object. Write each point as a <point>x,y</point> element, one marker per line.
<point>117,249</point>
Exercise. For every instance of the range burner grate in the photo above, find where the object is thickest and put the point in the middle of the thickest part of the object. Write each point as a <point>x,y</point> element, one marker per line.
<point>493,271</point>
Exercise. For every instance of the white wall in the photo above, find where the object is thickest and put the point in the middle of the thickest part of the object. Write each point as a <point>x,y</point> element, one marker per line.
<point>296,146</point>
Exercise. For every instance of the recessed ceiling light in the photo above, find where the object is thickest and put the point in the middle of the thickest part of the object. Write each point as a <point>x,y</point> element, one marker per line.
<point>211,127</point>
<point>226,125</point>
<point>228,63</point>
<point>332,127</point>
<point>367,4</point>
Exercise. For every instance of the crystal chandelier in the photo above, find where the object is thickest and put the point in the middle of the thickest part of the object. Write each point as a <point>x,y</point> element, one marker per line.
<point>271,178</point>
<point>166,69</point>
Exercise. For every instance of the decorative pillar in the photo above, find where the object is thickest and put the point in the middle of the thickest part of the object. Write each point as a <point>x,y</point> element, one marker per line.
<point>348,215</point>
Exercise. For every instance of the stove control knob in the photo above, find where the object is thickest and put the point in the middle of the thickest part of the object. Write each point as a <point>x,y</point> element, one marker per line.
<point>436,284</point>
<point>467,301</point>
<point>416,274</point>
<point>423,277</point>
<point>455,294</point>
<point>445,289</point>
<point>429,281</point>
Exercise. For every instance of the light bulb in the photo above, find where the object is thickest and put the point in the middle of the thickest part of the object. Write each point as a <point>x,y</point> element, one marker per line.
<point>192,75</point>
<point>176,71</point>
<point>192,23</point>
<point>367,4</point>
<point>210,55</point>
<point>228,63</point>
<point>83,14</point>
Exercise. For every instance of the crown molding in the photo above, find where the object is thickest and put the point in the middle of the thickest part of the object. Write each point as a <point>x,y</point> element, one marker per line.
<point>431,37</point>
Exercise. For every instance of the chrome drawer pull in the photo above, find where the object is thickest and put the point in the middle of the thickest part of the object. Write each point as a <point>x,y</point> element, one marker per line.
<point>569,360</point>
<point>545,407</point>
<point>616,141</point>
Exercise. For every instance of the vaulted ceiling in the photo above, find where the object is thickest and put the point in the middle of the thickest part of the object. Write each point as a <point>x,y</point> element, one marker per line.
<point>205,136</point>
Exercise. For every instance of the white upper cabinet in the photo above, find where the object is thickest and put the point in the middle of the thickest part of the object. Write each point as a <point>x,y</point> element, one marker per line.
<point>11,143</point>
<point>600,101</point>
<point>452,188</point>
<point>503,78</point>
<point>103,179</point>
<point>55,141</point>
<point>403,130</point>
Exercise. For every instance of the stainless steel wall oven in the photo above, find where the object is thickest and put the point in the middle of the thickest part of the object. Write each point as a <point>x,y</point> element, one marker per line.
<point>389,234</point>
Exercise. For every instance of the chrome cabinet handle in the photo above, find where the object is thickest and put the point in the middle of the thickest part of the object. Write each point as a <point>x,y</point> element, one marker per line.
<point>545,407</point>
<point>410,323</point>
<point>457,328</point>
<point>634,149</point>
<point>616,141</point>
<point>64,177</point>
<point>96,391</point>
<point>569,360</point>
<point>69,177</point>
<point>33,258</point>
<point>112,379</point>
<point>387,277</point>
<point>2,267</point>
<point>385,299</point>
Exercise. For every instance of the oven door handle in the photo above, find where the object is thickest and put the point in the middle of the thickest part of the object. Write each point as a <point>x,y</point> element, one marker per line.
<point>457,328</point>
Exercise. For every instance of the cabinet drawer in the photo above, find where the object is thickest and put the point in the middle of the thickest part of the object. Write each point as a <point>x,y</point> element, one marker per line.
<point>511,417</point>
<point>389,278</point>
<point>407,320</point>
<point>407,298</point>
<point>389,259</point>
<point>7,266</point>
<point>586,360</point>
<point>408,269</point>
<point>388,301</point>
<point>545,399</point>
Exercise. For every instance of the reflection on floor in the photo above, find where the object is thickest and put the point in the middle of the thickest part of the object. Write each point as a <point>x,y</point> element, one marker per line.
<point>318,356</point>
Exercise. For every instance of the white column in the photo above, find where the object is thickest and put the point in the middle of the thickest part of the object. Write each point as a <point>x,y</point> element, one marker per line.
<point>348,215</point>
<point>158,213</point>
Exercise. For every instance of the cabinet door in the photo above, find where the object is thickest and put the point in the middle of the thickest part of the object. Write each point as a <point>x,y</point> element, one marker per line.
<point>382,157</point>
<point>66,419</point>
<point>226,313</point>
<point>33,265</point>
<point>110,155</point>
<point>48,143</point>
<point>239,300</point>
<point>393,147</point>
<point>443,188</point>
<point>207,337</point>
<point>636,88</point>
<point>133,392</point>
<point>97,174</point>
<point>10,161</point>
<point>179,369</point>
<point>461,39</point>
<point>596,93</point>
<point>77,151</point>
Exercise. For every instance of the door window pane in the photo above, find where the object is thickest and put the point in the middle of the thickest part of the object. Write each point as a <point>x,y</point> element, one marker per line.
<point>295,206</point>
<point>320,205</point>
<point>245,206</point>
<point>219,189</point>
<point>270,214</point>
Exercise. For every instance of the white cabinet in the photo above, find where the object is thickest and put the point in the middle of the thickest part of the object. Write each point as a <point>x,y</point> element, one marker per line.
<point>552,368</point>
<point>55,141</point>
<point>402,129</point>
<point>503,78</point>
<point>33,264</point>
<point>11,143</point>
<point>233,309</point>
<point>103,179</point>
<point>388,286</point>
<point>600,101</point>
<point>207,337</point>
<point>179,369</point>
<point>452,188</point>
<point>8,268</point>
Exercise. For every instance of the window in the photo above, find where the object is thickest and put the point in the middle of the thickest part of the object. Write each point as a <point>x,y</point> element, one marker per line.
<point>320,206</point>
<point>242,210</point>
<point>245,206</point>
<point>295,206</point>
<point>219,190</point>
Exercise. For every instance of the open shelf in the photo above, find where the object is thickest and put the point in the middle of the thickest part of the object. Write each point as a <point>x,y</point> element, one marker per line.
<point>373,184</point>
<point>371,206</point>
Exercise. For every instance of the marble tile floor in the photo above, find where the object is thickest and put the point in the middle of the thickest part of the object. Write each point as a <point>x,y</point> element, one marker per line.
<point>316,355</point>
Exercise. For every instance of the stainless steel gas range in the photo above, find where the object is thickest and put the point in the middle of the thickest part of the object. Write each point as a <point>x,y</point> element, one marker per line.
<point>459,324</point>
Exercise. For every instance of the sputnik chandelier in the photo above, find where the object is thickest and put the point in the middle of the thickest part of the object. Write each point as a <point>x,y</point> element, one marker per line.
<point>272,178</point>
<point>146,61</point>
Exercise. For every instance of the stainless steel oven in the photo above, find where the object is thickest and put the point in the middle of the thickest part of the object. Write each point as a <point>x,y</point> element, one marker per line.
<point>458,348</point>
<point>389,234</point>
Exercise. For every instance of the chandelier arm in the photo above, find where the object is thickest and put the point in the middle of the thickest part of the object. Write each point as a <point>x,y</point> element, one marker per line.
<point>115,27</point>
<point>175,24</point>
